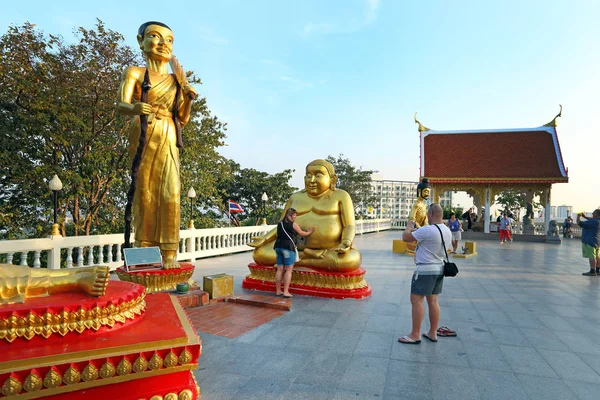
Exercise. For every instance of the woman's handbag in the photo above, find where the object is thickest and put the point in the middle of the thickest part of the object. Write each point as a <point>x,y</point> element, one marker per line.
<point>295,248</point>
<point>450,269</point>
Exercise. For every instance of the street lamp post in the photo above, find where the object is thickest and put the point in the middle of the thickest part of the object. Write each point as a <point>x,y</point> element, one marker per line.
<point>55,185</point>
<point>264,198</point>
<point>191,194</point>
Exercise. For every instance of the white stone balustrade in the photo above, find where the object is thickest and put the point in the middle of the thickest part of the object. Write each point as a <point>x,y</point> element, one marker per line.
<point>79,251</point>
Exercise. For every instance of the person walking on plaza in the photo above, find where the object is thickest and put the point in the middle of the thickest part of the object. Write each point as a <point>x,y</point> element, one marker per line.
<point>505,229</point>
<point>455,227</point>
<point>590,240</point>
<point>428,278</point>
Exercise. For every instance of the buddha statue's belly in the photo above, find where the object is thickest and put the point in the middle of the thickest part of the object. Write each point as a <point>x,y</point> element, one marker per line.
<point>328,230</point>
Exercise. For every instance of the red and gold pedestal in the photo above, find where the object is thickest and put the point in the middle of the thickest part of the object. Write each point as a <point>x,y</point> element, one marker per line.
<point>158,280</point>
<point>308,282</point>
<point>123,345</point>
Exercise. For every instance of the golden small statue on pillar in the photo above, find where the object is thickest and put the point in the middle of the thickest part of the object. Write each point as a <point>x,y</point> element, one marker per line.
<point>330,211</point>
<point>154,99</point>
<point>18,282</point>
<point>419,210</point>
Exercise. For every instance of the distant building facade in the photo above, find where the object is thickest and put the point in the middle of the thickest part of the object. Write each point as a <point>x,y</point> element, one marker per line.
<point>563,212</point>
<point>396,198</point>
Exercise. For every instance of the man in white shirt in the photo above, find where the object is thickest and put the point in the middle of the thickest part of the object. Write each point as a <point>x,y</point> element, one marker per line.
<point>428,277</point>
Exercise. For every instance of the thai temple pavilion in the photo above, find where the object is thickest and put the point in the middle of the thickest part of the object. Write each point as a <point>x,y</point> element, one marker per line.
<point>486,162</point>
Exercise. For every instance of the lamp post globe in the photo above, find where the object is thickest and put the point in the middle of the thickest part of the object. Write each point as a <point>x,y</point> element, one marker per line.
<point>55,185</point>
<point>264,198</point>
<point>191,194</point>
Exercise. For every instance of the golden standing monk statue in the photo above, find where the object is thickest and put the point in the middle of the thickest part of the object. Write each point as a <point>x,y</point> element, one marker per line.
<point>156,200</point>
<point>331,212</point>
<point>419,210</point>
<point>18,282</point>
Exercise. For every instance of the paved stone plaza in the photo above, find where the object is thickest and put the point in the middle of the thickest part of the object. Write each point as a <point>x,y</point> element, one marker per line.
<point>527,321</point>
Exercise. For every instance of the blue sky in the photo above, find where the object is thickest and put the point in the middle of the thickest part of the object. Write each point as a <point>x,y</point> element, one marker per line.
<point>298,80</point>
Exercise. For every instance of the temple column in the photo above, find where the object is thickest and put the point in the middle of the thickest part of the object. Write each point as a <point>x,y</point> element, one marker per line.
<point>547,208</point>
<point>486,220</point>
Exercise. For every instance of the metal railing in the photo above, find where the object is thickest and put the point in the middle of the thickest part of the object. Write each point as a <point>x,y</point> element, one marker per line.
<point>79,251</point>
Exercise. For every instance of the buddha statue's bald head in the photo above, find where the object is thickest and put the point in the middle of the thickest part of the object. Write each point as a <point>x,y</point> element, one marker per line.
<point>320,176</point>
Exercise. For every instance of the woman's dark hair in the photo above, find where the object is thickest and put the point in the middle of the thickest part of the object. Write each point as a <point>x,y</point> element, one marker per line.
<point>143,27</point>
<point>452,214</point>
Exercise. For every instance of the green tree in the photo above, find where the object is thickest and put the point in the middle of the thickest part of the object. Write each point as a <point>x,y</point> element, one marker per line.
<point>511,200</point>
<point>355,181</point>
<point>456,210</point>
<point>58,115</point>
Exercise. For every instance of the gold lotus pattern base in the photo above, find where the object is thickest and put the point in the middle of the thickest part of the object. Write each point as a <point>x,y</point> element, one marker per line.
<point>183,395</point>
<point>100,370</point>
<point>65,322</point>
<point>156,282</point>
<point>303,277</point>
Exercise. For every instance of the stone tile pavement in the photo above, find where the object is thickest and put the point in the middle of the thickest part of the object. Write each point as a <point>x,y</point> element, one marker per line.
<point>528,327</point>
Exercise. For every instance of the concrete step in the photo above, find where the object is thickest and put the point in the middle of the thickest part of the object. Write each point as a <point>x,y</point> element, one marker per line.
<point>258,300</point>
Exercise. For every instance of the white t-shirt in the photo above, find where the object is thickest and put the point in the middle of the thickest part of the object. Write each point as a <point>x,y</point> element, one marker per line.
<point>430,255</point>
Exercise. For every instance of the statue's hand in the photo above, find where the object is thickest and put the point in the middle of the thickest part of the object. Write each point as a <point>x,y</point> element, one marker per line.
<point>343,247</point>
<point>190,92</point>
<point>257,241</point>
<point>142,109</point>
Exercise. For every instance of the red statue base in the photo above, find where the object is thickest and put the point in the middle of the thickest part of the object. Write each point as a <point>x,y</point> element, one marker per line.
<point>158,280</point>
<point>152,353</point>
<point>308,282</point>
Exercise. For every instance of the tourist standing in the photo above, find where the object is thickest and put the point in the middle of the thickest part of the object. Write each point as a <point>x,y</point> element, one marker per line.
<point>428,278</point>
<point>455,227</point>
<point>567,227</point>
<point>505,229</point>
<point>468,215</point>
<point>285,250</point>
<point>590,240</point>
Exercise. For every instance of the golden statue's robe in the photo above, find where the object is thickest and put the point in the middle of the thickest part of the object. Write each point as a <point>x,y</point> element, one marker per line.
<point>156,208</point>
<point>419,213</point>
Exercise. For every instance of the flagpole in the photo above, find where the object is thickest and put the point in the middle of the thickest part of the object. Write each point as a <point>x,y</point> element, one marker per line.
<point>229,209</point>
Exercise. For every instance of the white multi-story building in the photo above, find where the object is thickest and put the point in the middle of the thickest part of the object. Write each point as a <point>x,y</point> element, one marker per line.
<point>563,212</point>
<point>396,198</point>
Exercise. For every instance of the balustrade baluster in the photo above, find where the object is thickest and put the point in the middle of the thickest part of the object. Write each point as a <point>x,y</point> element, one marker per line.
<point>80,257</point>
<point>36,259</point>
<point>101,254</point>
<point>9,258</point>
<point>69,257</point>
<point>90,256</point>
<point>118,253</point>
<point>24,258</point>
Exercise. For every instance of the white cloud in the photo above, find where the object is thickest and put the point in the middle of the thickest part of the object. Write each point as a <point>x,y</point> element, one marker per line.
<point>371,11</point>
<point>324,28</point>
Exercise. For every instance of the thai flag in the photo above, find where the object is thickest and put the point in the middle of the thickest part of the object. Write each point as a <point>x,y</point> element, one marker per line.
<point>235,207</point>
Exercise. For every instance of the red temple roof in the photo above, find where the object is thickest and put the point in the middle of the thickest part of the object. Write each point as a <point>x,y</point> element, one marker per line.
<point>530,155</point>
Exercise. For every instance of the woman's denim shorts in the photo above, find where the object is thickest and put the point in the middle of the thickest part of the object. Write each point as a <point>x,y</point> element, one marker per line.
<point>285,257</point>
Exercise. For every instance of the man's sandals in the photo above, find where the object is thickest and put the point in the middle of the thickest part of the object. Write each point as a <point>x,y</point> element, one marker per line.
<point>445,331</point>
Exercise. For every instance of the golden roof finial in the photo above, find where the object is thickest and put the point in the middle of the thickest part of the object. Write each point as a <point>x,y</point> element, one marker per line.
<point>553,122</point>
<point>422,128</point>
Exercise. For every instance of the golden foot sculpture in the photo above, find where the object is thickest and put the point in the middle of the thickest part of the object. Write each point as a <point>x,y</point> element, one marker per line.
<point>19,282</point>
